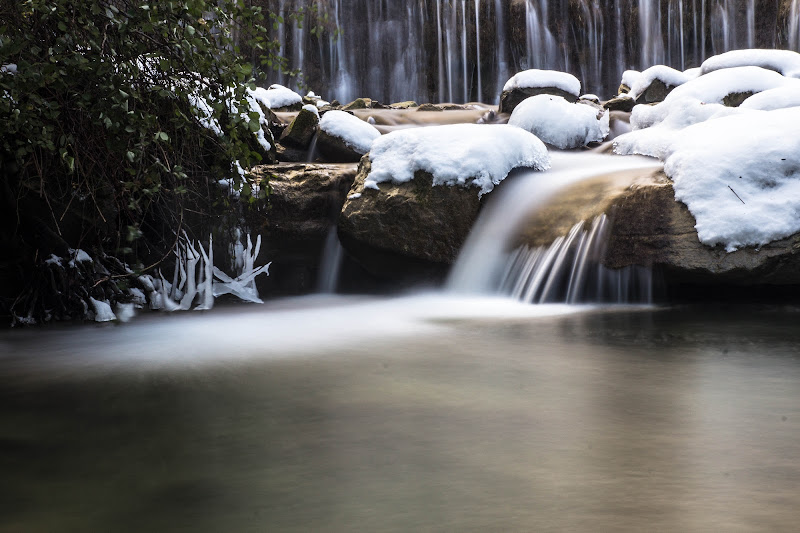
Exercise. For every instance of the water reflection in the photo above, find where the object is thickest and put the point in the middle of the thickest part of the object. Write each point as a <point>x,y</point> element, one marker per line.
<point>604,420</point>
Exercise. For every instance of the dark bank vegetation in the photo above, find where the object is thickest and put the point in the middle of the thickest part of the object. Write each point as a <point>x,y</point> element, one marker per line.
<point>108,112</point>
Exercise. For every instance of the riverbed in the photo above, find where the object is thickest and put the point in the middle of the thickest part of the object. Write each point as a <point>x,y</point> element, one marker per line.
<point>419,413</point>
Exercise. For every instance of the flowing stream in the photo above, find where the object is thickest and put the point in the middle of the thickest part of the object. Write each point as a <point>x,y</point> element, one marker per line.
<point>425,413</point>
<point>462,410</point>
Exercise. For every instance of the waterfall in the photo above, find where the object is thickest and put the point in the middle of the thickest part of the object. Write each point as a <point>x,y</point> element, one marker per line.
<point>330,263</point>
<point>462,50</point>
<point>487,264</point>
<point>570,270</point>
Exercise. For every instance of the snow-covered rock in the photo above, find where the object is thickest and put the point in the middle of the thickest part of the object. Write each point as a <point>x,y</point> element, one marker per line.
<point>357,133</point>
<point>534,81</point>
<point>560,123</point>
<point>535,78</point>
<point>743,189</point>
<point>698,100</point>
<point>474,155</point>
<point>778,98</point>
<point>628,80</point>
<point>656,82</point>
<point>785,62</point>
<point>277,97</point>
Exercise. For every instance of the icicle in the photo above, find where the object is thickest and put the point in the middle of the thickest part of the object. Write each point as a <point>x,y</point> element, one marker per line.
<point>206,287</point>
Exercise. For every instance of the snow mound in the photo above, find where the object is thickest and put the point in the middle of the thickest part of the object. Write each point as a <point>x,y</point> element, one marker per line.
<point>102,310</point>
<point>655,127</point>
<point>560,123</point>
<point>544,78</point>
<point>478,155</point>
<point>743,189</point>
<point>629,78</point>
<point>778,98</point>
<point>666,74</point>
<point>312,109</point>
<point>358,134</point>
<point>785,62</point>
<point>277,96</point>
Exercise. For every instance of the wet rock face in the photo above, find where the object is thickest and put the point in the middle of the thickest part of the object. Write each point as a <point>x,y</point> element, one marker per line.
<point>511,99</point>
<point>650,227</point>
<point>301,130</point>
<point>304,204</point>
<point>408,227</point>
<point>305,199</point>
<point>336,149</point>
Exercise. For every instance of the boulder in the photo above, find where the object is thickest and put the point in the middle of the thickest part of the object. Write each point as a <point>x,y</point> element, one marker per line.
<point>406,229</point>
<point>430,107</point>
<point>650,228</point>
<point>336,149</point>
<point>657,91</point>
<point>358,103</point>
<point>305,199</point>
<point>511,99</point>
<point>303,207</point>
<point>620,103</point>
<point>404,105</point>
<point>301,130</point>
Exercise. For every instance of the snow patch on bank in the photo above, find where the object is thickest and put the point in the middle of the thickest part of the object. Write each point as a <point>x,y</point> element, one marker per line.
<point>460,154</point>
<point>560,123</point>
<point>535,78</point>
<point>356,133</point>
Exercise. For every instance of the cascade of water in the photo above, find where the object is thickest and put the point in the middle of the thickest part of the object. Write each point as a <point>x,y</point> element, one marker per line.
<point>500,44</point>
<point>464,61</point>
<point>650,37</point>
<point>478,47</point>
<point>794,25</point>
<point>330,263</point>
<point>458,50</point>
<point>484,257</point>
<point>570,270</point>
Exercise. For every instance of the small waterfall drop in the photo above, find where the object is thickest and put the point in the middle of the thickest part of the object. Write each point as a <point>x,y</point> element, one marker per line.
<point>570,270</point>
<point>794,25</point>
<point>331,263</point>
<point>487,264</point>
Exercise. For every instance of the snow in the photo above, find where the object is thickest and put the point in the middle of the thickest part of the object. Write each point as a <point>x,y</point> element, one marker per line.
<point>102,310</point>
<point>743,189</point>
<point>668,75</point>
<point>655,127</point>
<point>560,123</point>
<point>479,155</point>
<point>778,98</point>
<point>10,68</point>
<point>544,78</point>
<point>139,299</point>
<point>53,260</point>
<point>312,108</point>
<point>356,133</point>
<point>785,62</point>
<point>590,97</point>
<point>629,77</point>
<point>125,312</point>
<point>277,96</point>
<point>80,256</point>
